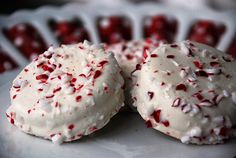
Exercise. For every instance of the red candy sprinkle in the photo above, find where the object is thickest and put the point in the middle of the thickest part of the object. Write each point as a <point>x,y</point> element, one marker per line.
<point>102,63</point>
<point>215,64</point>
<point>165,123</point>
<point>78,98</point>
<point>198,64</point>
<point>181,87</point>
<point>150,94</point>
<point>148,124</point>
<point>57,89</point>
<point>170,56</point>
<point>73,80</point>
<point>156,114</point>
<point>97,74</point>
<point>14,96</point>
<point>154,55</point>
<point>71,126</point>
<point>42,77</point>
<point>47,68</point>
<point>201,73</point>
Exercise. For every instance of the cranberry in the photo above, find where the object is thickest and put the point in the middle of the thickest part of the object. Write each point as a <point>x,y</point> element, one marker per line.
<point>69,32</point>
<point>6,63</point>
<point>114,29</point>
<point>232,48</point>
<point>207,32</point>
<point>160,27</point>
<point>26,38</point>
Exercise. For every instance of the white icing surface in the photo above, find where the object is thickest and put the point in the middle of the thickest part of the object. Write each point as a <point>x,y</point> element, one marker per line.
<point>196,100</point>
<point>59,97</point>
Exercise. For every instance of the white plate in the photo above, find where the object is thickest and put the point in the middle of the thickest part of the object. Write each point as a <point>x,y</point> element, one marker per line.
<point>124,137</point>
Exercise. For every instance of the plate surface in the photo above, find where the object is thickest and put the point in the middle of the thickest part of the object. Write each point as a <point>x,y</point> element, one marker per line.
<point>124,137</point>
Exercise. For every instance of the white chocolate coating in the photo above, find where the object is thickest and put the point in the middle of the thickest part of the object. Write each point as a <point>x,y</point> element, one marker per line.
<point>67,92</point>
<point>188,91</point>
<point>129,56</point>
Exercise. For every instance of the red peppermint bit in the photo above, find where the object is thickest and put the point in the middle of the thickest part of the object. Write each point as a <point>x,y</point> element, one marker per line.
<point>16,86</point>
<point>129,56</point>
<point>26,70</point>
<point>228,76</point>
<point>50,96</point>
<point>78,98</point>
<point>69,74</point>
<point>73,79</point>
<point>145,55</point>
<point>154,55</point>
<point>90,94</point>
<point>56,104</point>
<point>57,90</point>
<point>40,89</point>
<point>181,87</point>
<point>215,64</point>
<point>79,87</point>
<point>102,63</point>
<point>165,123</point>
<point>39,65</point>
<point>92,129</point>
<point>97,74</point>
<point>47,68</point>
<point>59,65</point>
<point>198,64</point>
<point>52,135</point>
<point>138,67</point>
<point>82,75</point>
<point>223,131</point>
<point>148,124</point>
<point>80,47</point>
<point>42,77</point>
<point>29,111</point>
<point>170,56</point>
<point>106,89</point>
<point>198,96</point>
<point>71,126</point>
<point>7,115</point>
<point>176,102</point>
<point>12,121</point>
<point>201,73</point>
<point>173,45</point>
<point>157,114</point>
<point>150,94</point>
<point>14,96</point>
<point>162,83</point>
<point>79,135</point>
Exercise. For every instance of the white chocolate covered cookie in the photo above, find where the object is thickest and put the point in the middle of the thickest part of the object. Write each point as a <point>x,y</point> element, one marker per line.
<point>67,92</point>
<point>187,90</point>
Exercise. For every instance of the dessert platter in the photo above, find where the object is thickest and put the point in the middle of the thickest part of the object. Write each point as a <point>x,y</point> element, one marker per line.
<point>158,83</point>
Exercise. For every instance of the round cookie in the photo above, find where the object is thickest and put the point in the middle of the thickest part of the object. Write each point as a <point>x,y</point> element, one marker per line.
<point>67,92</point>
<point>187,90</point>
<point>129,56</point>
